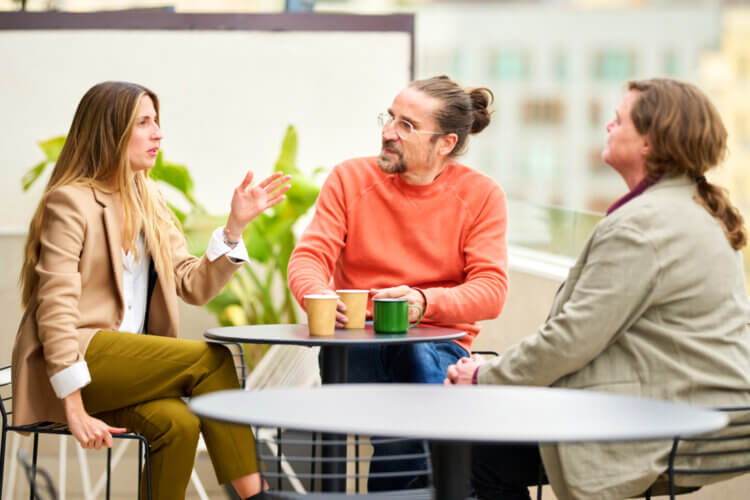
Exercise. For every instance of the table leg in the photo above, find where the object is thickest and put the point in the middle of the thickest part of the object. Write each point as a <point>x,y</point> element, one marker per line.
<point>451,469</point>
<point>333,371</point>
<point>333,362</point>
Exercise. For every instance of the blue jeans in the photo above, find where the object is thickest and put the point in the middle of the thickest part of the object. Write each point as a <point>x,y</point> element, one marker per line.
<point>423,363</point>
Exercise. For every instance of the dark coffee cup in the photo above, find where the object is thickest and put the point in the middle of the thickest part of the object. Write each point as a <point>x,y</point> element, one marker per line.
<point>392,315</point>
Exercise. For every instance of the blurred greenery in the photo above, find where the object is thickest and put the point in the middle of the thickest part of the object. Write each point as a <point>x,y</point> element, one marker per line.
<point>553,230</point>
<point>257,293</point>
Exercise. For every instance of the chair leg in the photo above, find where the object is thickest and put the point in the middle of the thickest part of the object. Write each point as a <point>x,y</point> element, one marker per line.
<point>140,467</point>
<point>10,489</point>
<point>147,455</point>
<point>278,444</point>
<point>2,459</point>
<point>109,470</point>
<point>539,482</point>
<point>62,466</point>
<point>356,464</point>
<point>33,466</point>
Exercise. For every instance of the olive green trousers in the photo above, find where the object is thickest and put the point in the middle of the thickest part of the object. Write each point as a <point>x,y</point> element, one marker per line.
<point>139,382</point>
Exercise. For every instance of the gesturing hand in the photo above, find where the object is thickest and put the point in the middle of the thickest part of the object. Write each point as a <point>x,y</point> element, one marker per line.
<point>249,201</point>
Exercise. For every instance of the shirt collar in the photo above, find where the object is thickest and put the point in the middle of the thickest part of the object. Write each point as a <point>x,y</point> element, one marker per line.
<point>646,183</point>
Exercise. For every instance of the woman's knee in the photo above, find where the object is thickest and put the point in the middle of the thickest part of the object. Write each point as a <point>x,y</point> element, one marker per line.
<point>170,420</point>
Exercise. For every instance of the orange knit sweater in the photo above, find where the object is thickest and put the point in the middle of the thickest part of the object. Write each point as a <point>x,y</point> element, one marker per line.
<point>372,230</point>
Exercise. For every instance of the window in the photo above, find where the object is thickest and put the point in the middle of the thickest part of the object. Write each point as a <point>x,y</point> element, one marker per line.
<point>596,164</point>
<point>595,113</point>
<point>539,161</point>
<point>560,66</point>
<point>743,67</point>
<point>509,65</point>
<point>614,65</point>
<point>542,111</point>
<point>671,63</point>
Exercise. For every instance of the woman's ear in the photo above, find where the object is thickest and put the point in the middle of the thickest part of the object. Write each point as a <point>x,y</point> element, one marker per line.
<point>645,148</point>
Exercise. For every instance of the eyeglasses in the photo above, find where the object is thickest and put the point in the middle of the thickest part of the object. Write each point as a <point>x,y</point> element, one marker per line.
<point>402,127</point>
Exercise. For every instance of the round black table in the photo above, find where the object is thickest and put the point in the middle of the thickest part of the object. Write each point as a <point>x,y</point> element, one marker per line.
<point>440,414</point>
<point>333,358</point>
<point>334,348</point>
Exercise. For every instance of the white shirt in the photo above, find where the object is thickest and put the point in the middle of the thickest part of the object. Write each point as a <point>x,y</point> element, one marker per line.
<point>135,296</point>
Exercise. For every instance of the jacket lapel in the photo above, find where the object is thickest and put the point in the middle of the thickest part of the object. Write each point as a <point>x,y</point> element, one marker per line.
<point>114,245</point>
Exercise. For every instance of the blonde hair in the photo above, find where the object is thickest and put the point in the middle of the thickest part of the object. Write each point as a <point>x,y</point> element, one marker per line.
<point>687,137</point>
<point>95,155</point>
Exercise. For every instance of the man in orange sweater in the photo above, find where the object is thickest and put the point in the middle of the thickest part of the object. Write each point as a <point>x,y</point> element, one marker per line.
<point>412,223</point>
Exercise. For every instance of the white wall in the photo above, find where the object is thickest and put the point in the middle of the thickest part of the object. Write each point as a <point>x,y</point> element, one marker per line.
<point>226,98</point>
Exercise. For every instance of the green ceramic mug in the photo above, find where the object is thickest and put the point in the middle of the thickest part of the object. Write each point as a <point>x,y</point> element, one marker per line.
<point>392,315</point>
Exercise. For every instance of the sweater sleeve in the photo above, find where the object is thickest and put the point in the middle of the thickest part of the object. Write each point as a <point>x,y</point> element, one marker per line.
<point>615,287</point>
<point>483,292</point>
<point>313,261</point>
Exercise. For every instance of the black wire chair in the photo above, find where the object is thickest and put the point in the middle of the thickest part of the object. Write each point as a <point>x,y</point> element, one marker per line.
<point>689,456</point>
<point>144,455</point>
<point>32,475</point>
<point>298,473</point>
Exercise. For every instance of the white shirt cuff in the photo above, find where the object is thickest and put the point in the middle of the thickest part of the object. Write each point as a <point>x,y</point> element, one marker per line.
<point>70,379</point>
<point>217,248</point>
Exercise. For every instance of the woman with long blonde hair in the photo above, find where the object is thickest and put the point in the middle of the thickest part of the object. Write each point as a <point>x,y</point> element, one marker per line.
<point>104,257</point>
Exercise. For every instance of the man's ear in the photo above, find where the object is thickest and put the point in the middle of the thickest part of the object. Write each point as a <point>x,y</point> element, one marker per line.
<point>447,143</point>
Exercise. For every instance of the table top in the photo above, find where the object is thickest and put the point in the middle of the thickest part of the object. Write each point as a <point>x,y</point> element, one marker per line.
<point>461,413</point>
<point>298,334</point>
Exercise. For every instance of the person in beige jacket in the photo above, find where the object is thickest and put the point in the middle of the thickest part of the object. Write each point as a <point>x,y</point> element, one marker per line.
<point>655,305</point>
<point>103,257</point>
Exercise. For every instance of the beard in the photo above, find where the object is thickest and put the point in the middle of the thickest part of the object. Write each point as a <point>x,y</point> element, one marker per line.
<point>387,163</point>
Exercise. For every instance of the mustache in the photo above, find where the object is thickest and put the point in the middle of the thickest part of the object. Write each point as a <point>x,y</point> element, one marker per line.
<point>392,146</point>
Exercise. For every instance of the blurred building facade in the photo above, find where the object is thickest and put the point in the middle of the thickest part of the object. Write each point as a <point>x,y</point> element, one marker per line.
<point>558,73</point>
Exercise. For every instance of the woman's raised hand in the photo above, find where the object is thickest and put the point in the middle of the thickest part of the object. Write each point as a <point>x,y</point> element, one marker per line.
<point>249,201</point>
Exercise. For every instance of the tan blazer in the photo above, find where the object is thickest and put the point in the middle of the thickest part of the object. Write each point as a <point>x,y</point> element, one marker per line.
<point>80,293</point>
<point>655,306</point>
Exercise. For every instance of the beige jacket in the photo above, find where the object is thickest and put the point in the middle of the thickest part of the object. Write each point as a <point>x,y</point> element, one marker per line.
<point>80,293</point>
<point>656,307</point>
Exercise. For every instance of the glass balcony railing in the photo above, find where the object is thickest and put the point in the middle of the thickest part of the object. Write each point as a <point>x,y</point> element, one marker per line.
<point>547,229</point>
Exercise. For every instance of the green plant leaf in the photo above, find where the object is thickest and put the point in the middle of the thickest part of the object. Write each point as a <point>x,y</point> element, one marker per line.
<point>174,175</point>
<point>52,148</point>
<point>287,161</point>
<point>221,301</point>
<point>198,228</point>
<point>234,315</point>
<point>30,177</point>
<point>300,197</point>
<point>258,247</point>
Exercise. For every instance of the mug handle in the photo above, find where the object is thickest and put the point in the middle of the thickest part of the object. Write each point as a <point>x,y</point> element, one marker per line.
<point>420,315</point>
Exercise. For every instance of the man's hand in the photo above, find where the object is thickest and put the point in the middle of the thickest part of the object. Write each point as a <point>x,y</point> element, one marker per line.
<point>341,318</point>
<point>402,292</point>
<point>462,372</point>
<point>89,431</point>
